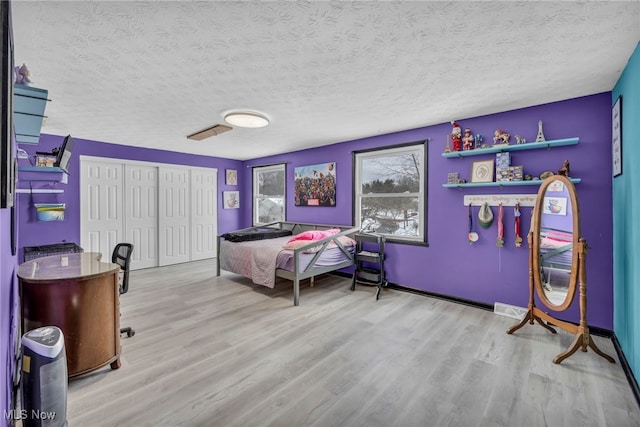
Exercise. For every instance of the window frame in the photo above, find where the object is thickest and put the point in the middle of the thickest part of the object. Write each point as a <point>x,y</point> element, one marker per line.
<point>357,158</point>
<point>255,197</point>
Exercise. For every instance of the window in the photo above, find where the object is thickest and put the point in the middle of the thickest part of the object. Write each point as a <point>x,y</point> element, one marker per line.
<point>269,199</point>
<point>389,192</point>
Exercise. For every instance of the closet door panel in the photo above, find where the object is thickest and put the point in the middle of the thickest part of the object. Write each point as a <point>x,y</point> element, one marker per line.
<point>204,203</point>
<point>102,213</point>
<point>174,215</point>
<point>141,213</point>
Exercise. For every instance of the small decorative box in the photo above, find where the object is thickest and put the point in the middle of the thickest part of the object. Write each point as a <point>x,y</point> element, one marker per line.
<point>453,177</point>
<point>503,160</point>
<point>516,173</point>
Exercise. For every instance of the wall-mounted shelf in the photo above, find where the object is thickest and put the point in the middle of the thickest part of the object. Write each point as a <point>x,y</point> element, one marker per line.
<point>29,104</point>
<point>41,169</point>
<point>41,173</point>
<point>514,147</point>
<point>501,183</point>
<point>38,190</point>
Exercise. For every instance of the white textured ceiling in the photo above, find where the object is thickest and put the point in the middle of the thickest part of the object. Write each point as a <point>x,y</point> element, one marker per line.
<point>149,73</point>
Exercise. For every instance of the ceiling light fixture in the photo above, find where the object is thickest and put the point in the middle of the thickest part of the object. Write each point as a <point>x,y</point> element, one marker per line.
<point>245,119</point>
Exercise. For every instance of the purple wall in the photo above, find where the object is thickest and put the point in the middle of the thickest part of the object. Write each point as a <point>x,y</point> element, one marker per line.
<point>34,233</point>
<point>482,272</point>
<point>7,310</point>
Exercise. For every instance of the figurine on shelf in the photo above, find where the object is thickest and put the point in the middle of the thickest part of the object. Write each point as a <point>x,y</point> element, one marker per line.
<point>23,76</point>
<point>467,140</point>
<point>479,138</point>
<point>456,136</point>
<point>520,140</point>
<point>540,136</point>
<point>447,148</point>
<point>564,170</point>
<point>500,137</point>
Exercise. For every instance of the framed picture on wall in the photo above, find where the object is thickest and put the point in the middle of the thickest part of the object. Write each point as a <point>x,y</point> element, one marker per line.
<point>315,185</point>
<point>7,166</point>
<point>231,199</point>
<point>482,171</point>
<point>555,206</point>
<point>231,177</point>
<point>616,137</point>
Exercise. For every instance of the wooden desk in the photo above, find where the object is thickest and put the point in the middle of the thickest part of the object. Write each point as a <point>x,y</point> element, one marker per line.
<point>80,295</point>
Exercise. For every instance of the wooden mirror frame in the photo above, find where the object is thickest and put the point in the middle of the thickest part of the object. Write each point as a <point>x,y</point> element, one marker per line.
<point>536,222</point>
<point>578,278</point>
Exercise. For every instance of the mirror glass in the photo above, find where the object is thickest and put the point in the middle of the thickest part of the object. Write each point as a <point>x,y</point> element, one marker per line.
<point>556,226</point>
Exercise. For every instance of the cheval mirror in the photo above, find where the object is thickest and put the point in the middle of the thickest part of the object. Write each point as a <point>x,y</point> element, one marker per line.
<point>557,257</point>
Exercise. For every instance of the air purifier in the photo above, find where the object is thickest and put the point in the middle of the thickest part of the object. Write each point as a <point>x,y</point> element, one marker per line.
<point>44,379</point>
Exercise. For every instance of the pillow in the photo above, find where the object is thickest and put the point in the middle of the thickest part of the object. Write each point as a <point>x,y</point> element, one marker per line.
<point>314,235</point>
<point>345,240</point>
<point>295,244</point>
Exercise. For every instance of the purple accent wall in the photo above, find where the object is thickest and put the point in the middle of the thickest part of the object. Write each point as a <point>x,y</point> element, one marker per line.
<point>35,233</point>
<point>7,309</point>
<point>482,272</point>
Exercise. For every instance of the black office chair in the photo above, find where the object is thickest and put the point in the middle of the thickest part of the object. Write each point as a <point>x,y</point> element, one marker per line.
<point>122,256</point>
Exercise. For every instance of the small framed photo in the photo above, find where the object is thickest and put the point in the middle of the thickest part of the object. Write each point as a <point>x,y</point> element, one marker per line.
<point>616,137</point>
<point>482,171</point>
<point>231,199</point>
<point>231,177</point>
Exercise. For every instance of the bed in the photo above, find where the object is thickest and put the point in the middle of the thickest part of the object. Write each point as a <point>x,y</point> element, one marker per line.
<point>259,254</point>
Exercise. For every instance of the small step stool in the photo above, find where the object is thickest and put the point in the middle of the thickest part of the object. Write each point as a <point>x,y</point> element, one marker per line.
<point>369,261</point>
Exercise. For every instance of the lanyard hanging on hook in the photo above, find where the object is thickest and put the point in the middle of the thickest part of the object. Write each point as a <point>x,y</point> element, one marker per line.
<point>500,239</point>
<point>516,214</point>
<point>473,236</point>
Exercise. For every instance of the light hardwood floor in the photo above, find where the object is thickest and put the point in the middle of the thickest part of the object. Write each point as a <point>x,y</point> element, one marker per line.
<point>219,351</point>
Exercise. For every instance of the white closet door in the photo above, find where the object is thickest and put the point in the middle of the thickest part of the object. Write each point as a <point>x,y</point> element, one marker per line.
<point>204,204</point>
<point>102,213</point>
<point>174,215</point>
<point>141,214</point>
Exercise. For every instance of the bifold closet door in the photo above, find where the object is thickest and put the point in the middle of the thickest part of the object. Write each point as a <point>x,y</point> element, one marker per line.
<point>141,214</point>
<point>174,214</point>
<point>102,215</point>
<point>168,212</point>
<point>204,213</point>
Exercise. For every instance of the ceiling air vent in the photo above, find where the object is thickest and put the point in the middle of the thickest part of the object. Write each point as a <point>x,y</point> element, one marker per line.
<point>206,133</point>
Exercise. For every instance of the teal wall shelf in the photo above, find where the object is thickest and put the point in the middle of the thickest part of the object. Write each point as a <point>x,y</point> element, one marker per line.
<point>40,169</point>
<point>513,147</point>
<point>39,191</point>
<point>502,183</point>
<point>41,173</point>
<point>29,104</point>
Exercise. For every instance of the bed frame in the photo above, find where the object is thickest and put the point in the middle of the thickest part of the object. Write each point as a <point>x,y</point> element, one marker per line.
<point>311,270</point>
<point>560,257</point>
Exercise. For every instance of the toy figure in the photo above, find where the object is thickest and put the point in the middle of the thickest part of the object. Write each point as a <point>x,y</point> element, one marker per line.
<point>479,138</point>
<point>23,77</point>
<point>467,140</point>
<point>456,136</point>
<point>564,170</point>
<point>501,137</point>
